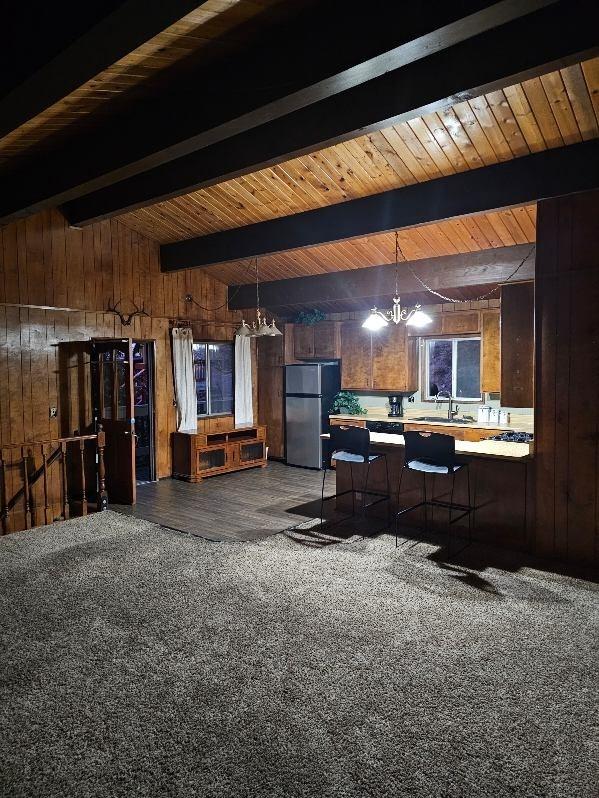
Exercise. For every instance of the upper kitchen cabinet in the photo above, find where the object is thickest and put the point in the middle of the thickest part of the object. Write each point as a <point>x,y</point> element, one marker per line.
<point>490,366</point>
<point>517,345</point>
<point>459,322</point>
<point>322,340</point>
<point>356,357</point>
<point>270,351</point>
<point>384,361</point>
<point>394,359</point>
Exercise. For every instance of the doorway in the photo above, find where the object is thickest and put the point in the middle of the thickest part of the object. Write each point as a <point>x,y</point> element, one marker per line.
<point>143,410</point>
<point>122,372</point>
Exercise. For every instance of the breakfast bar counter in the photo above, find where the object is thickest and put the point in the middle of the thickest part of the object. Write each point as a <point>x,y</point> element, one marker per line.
<point>501,481</point>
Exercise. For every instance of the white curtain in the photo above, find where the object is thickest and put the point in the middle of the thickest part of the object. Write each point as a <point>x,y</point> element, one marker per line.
<point>185,388</point>
<point>244,413</point>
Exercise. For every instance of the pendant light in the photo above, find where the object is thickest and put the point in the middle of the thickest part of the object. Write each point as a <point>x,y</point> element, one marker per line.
<point>415,317</point>
<point>260,327</point>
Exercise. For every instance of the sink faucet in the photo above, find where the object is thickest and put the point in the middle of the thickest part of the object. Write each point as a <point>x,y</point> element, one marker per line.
<point>451,412</point>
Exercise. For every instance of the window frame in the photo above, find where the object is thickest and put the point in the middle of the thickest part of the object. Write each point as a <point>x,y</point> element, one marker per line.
<point>209,414</point>
<point>424,375</point>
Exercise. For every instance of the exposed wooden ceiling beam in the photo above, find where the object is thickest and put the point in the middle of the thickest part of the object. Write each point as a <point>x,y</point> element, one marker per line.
<point>551,173</point>
<point>368,81</point>
<point>114,36</point>
<point>428,74</point>
<point>444,273</point>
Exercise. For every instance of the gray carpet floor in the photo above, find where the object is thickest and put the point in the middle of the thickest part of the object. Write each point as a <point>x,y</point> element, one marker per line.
<point>142,662</point>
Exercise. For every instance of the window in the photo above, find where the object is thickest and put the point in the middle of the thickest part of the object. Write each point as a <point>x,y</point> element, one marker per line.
<point>213,373</point>
<point>453,365</point>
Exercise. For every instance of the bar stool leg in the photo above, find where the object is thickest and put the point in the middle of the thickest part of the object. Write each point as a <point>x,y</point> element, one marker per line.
<point>388,493</point>
<point>353,490</point>
<point>324,473</point>
<point>470,519</point>
<point>364,489</point>
<point>450,509</point>
<point>398,498</point>
<point>425,504</point>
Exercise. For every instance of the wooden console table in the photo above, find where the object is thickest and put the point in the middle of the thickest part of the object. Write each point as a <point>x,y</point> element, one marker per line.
<point>198,455</point>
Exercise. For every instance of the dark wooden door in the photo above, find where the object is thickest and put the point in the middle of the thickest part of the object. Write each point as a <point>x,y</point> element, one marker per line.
<point>112,384</point>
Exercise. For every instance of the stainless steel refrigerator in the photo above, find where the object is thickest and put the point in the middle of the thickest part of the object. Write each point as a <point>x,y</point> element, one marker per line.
<point>309,392</point>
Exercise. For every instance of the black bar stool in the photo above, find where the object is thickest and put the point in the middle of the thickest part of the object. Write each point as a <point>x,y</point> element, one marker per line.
<point>351,445</point>
<point>432,453</point>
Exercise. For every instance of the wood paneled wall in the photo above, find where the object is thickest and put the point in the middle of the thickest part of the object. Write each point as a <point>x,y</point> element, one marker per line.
<point>567,378</point>
<point>56,283</point>
<point>517,345</point>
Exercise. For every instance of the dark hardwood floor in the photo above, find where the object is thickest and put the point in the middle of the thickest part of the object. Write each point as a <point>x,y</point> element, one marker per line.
<point>246,505</point>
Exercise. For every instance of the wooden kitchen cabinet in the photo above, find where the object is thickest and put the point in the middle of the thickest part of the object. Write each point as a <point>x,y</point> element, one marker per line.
<point>459,433</point>
<point>270,351</point>
<point>460,323</point>
<point>327,339</point>
<point>320,340</point>
<point>356,357</point>
<point>384,361</point>
<point>271,409</point>
<point>517,345</point>
<point>303,340</point>
<point>394,360</point>
<point>490,366</point>
<point>273,355</point>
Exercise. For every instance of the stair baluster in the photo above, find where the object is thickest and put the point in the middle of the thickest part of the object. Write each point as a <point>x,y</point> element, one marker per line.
<point>66,509</point>
<point>83,486</point>
<point>26,489</point>
<point>3,504</point>
<point>46,496</point>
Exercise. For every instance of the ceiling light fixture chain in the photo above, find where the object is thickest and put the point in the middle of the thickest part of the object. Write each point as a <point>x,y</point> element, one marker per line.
<point>415,317</point>
<point>259,327</point>
<point>478,298</point>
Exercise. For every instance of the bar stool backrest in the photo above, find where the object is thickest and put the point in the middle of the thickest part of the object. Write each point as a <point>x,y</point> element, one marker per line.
<point>430,448</point>
<point>355,440</point>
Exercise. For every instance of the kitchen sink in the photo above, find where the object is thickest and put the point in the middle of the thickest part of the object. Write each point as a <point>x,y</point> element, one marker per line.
<point>440,420</point>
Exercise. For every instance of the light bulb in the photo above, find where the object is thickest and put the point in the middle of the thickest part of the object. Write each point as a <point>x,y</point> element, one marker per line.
<point>418,318</point>
<point>375,321</point>
<point>243,330</point>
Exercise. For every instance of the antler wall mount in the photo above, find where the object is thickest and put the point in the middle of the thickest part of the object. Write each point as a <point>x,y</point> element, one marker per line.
<point>127,318</point>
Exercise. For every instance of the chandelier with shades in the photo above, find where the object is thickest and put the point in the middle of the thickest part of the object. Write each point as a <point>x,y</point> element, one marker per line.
<point>260,326</point>
<point>414,317</point>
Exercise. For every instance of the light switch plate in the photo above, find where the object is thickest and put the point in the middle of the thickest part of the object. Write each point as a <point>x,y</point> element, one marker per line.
<point>53,412</point>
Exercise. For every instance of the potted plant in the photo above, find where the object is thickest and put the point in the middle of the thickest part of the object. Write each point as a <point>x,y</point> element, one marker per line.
<point>309,317</point>
<point>347,403</point>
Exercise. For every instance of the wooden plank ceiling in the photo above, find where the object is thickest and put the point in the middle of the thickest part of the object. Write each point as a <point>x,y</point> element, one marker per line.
<point>557,109</point>
<point>502,228</point>
<point>216,23</point>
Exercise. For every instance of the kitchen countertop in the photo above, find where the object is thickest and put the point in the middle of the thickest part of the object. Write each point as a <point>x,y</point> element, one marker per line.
<point>518,422</point>
<point>494,450</point>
